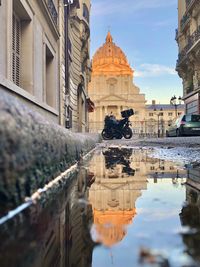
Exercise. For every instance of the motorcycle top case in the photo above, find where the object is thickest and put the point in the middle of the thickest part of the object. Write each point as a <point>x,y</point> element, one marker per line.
<point>127,113</point>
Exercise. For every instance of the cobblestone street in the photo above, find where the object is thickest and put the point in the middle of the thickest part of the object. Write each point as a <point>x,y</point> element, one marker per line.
<point>192,141</point>
<point>183,149</point>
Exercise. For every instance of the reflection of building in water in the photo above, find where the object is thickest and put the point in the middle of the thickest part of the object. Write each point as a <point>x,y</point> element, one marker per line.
<point>111,225</point>
<point>54,231</point>
<point>123,162</point>
<point>149,167</point>
<point>114,193</point>
<point>80,245</point>
<point>194,176</point>
<point>190,215</point>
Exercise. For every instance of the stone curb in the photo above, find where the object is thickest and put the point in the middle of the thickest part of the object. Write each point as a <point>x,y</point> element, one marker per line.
<point>33,151</point>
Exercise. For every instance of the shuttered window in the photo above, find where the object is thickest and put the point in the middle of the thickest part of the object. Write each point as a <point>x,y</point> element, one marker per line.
<point>86,13</point>
<point>16,49</point>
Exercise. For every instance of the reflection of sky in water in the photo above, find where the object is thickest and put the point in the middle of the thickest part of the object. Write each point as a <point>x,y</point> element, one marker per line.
<point>154,226</point>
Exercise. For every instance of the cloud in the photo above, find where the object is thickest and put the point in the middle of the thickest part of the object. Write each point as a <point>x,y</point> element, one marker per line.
<point>154,70</point>
<point>104,7</point>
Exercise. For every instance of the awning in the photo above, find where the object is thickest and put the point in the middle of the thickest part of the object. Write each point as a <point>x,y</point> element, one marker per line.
<point>90,105</point>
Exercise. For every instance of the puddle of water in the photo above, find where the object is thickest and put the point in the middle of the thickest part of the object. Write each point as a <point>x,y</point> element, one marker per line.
<point>136,202</point>
<point>123,208</point>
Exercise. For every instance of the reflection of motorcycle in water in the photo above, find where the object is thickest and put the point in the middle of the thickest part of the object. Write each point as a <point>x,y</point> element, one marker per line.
<point>116,156</point>
<point>114,128</point>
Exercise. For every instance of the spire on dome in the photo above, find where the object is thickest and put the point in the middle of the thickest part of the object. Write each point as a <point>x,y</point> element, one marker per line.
<point>109,38</point>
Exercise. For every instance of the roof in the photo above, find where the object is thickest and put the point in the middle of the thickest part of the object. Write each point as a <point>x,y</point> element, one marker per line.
<point>164,107</point>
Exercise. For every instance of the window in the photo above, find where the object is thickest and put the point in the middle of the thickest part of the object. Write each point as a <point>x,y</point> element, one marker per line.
<point>16,49</point>
<point>161,113</point>
<point>193,118</point>
<point>179,113</point>
<point>192,107</point>
<point>86,13</point>
<point>69,46</point>
<point>170,114</point>
<point>53,11</point>
<point>150,114</point>
<point>196,118</point>
<point>68,122</point>
<point>22,47</point>
<point>50,78</point>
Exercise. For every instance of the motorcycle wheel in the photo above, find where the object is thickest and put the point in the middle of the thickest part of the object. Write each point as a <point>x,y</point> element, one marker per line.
<point>106,135</point>
<point>127,133</point>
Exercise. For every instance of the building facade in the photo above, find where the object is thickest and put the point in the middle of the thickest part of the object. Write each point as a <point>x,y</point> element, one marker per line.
<point>158,117</point>
<point>188,63</point>
<point>44,59</point>
<point>114,193</point>
<point>111,87</point>
<point>75,65</point>
<point>29,58</point>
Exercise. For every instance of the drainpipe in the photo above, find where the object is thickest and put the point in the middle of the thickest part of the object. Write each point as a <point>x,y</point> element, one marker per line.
<point>66,29</point>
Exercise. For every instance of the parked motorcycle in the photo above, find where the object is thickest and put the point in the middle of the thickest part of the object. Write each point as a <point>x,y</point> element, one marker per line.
<point>118,128</point>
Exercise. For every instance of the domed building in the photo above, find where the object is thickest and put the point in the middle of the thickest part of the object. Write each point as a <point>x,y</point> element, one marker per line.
<point>114,193</point>
<point>112,89</point>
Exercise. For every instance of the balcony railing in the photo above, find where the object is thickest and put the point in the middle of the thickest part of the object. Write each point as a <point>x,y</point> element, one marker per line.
<point>53,11</point>
<point>184,21</point>
<point>183,54</point>
<point>189,4</point>
<point>195,37</point>
<point>192,40</point>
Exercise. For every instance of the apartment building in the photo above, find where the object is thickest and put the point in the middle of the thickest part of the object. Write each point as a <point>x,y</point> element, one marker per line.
<point>158,117</point>
<point>75,73</point>
<point>44,59</point>
<point>29,58</point>
<point>188,63</point>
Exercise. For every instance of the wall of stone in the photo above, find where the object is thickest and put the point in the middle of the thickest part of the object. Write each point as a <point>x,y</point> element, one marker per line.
<point>29,100</point>
<point>38,40</point>
<point>33,151</point>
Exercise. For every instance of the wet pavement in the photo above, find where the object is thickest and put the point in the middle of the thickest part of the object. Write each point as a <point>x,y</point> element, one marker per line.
<point>123,207</point>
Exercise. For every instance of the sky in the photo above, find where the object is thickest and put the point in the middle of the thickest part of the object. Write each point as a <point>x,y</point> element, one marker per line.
<point>145,31</point>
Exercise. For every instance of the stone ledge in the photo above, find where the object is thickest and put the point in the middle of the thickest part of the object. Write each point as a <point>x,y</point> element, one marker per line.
<point>5,83</point>
<point>33,151</point>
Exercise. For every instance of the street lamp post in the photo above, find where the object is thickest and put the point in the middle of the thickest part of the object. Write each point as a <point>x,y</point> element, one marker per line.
<point>158,121</point>
<point>175,102</point>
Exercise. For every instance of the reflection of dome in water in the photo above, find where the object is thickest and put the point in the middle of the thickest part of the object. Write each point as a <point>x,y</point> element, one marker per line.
<point>110,225</point>
<point>110,59</point>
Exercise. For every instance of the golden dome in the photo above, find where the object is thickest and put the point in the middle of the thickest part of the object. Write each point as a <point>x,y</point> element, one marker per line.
<point>111,225</point>
<point>110,60</point>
